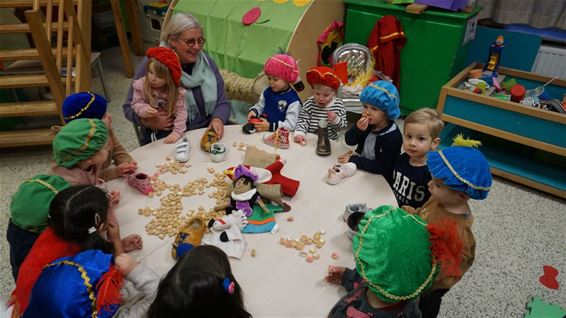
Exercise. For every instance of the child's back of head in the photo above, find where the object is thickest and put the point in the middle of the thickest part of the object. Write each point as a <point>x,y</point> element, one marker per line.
<point>384,96</point>
<point>76,215</point>
<point>201,284</point>
<point>79,141</point>
<point>428,117</point>
<point>83,105</point>
<point>462,168</point>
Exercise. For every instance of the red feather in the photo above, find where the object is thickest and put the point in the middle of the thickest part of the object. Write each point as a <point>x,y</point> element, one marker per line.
<point>108,288</point>
<point>446,246</point>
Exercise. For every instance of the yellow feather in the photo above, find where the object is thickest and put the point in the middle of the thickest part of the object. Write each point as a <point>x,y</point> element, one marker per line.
<point>459,140</point>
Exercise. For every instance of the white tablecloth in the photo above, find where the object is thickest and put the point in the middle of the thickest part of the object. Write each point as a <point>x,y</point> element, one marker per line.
<point>277,282</point>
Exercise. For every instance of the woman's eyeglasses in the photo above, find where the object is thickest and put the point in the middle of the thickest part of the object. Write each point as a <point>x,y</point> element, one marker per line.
<point>191,42</point>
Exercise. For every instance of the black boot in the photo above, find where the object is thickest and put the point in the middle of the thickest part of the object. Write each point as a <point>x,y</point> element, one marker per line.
<point>323,144</point>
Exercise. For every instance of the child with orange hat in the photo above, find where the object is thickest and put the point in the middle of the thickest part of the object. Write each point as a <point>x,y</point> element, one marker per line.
<point>278,106</point>
<point>160,89</point>
<point>323,105</point>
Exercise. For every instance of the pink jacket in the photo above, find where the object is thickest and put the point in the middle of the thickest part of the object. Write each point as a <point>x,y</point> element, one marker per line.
<point>140,104</point>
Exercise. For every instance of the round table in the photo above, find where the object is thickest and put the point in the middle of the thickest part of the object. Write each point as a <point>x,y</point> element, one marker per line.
<point>277,282</point>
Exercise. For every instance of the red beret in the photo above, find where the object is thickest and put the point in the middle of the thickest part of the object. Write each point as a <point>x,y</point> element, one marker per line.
<point>323,75</point>
<point>168,58</point>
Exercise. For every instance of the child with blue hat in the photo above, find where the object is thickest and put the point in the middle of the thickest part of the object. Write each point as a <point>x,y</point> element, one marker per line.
<point>459,173</point>
<point>376,135</point>
<point>93,106</point>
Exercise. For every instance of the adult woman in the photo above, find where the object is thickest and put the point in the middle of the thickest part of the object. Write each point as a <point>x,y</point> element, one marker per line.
<point>206,100</point>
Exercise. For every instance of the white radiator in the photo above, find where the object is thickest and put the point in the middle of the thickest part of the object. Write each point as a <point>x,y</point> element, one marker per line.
<point>550,61</point>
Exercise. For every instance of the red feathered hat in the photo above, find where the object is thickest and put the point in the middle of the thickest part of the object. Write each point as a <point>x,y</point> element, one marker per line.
<point>324,76</point>
<point>168,58</point>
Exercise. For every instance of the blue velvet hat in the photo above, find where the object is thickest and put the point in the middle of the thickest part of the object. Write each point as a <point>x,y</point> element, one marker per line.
<point>382,95</point>
<point>463,169</point>
<point>84,285</point>
<point>84,105</point>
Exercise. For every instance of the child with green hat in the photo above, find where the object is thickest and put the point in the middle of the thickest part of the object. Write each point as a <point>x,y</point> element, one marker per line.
<point>459,173</point>
<point>90,105</point>
<point>397,257</point>
<point>28,215</point>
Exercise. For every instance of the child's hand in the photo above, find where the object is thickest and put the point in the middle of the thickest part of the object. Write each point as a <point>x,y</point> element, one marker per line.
<point>345,158</point>
<point>331,116</point>
<point>125,263</point>
<point>251,115</point>
<point>113,231</point>
<point>263,126</point>
<point>334,275</point>
<point>300,139</point>
<point>114,198</point>
<point>363,123</point>
<point>132,242</point>
<point>127,168</point>
<point>172,138</point>
<point>149,112</point>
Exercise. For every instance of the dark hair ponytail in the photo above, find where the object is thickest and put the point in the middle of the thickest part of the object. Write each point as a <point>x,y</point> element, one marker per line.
<point>76,212</point>
<point>199,286</point>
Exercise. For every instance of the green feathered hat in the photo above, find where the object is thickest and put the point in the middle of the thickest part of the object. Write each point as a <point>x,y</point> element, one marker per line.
<point>30,204</point>
<point>393,254</point>
<point>79,140</point>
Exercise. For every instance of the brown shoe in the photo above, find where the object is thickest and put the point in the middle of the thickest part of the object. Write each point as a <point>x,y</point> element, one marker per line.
<point>188,237</point>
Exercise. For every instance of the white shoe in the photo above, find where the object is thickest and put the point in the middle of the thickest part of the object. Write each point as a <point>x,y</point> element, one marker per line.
<point>183,150</point>
<point>340,171</point>
<point>218,151</point>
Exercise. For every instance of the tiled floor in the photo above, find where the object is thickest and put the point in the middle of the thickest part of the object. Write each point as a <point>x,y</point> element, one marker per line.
<point>517,230</point>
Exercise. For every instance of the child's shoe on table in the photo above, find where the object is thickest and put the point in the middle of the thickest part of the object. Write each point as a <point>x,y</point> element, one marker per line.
<point>278,139</point>
<point>141,182</point>
<point>188,237</point>
<point>183,150</point>
<point>353,208</point>
<point>218,151</point>
<point>340,171</point>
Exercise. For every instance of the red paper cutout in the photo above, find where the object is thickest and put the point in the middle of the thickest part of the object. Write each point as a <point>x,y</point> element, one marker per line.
<point>548,280</point>
<point>251,16</point>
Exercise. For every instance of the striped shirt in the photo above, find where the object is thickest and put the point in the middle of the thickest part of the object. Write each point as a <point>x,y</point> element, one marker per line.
<point>311,114</point>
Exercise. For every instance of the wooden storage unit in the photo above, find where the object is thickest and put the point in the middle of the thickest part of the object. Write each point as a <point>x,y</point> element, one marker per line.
<point>522,143</point>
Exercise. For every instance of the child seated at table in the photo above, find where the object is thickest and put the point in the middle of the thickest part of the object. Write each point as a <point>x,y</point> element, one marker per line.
<point>200,284</point>
<point>376,135</point>
<point>77,217</point>
<point>410,176</point>
<point>160,89</point>
<point>458,174</point>
<point>397,257</point>
<point>279,105</point>
<point>90,105</point>
<point>323,105</point>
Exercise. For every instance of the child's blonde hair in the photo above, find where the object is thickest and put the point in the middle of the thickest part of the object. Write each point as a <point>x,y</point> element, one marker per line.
<point>428,117</point>
<point>161,71</point>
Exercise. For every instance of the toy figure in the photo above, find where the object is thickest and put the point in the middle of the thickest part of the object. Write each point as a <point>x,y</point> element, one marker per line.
<point>244,195</point>
<point>494,57</point>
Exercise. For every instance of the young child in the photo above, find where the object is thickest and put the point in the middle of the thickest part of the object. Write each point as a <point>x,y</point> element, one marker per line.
<point>28,215</point>
<point>103,273</point>
<point>376,134</point>
<point>201,284</point>
<point>279,104</point>
<point>77,216</point>
<point>90,105</point>
<point>160,89</point>
<point>410,177</point>
<point>322,105</point>
<point>397,257</point>
<point>458,174</point>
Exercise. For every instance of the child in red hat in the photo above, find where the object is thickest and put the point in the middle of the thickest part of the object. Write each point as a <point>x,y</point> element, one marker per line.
<point>160,89</point>
<point>323,105</point>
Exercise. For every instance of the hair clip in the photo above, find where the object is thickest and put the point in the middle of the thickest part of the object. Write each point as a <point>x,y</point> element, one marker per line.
<point>91,230</point>
<point>228,285</point>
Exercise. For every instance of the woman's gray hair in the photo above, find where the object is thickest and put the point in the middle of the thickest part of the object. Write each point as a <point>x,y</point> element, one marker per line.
<point>178,23</point>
